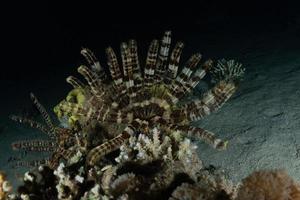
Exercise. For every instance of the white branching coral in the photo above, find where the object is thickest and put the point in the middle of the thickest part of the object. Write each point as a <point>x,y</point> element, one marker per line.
<point>66,187</point>
<point>29,177</point>
<point>94,193</point>
<point>147,148</point>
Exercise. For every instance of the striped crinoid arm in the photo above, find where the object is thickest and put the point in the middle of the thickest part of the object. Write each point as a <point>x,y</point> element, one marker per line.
<point>58,154</point>
<point>115,70</point>
<point>66,154</point>
<point>189,131</point>
<point>211,101</point>
<point>178,87</point>
<point>34,145</point>
<point>93,81</point>
<point>187,70</point>
<point>179,90</point>
<point>31,163</point>
<point>149,71</point>
<point>96,154</point>
<point>121,99</point>
<point>33,124</point>
<point>94,63</point>
<point>137,76</point>
<point>43,112</point>
<point>75,82</point>
<point>214,98</point>
<point>174,63</point>
<point>128,70</point>
<point>161,64</point>
<point>53,162</point>
<point>199,133</point>
<point>198,75</point>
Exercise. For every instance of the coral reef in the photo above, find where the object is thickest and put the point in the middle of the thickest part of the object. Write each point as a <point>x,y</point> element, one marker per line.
<point>154,166</point>
<point>5,187</point>
<point>126,135</point>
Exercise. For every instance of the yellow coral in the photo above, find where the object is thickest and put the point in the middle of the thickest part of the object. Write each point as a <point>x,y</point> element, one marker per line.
<point>74,96</point>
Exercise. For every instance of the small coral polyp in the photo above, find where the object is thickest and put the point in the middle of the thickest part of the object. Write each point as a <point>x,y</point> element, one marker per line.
<point>131,100</point>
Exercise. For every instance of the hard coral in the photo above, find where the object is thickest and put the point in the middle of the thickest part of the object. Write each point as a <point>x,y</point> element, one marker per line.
<point>5,186</point>
<point>271,185</point>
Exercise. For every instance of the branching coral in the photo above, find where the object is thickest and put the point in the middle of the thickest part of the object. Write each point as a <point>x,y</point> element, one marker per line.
<point>154,166</point>
<point>153,175</point>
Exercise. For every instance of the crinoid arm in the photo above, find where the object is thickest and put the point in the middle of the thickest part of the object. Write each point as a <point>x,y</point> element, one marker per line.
<point>199,133</point>
<point>34,145</point>
<point>74,82</point>
<point>53,162</point>
<point>214,98</point>
<point>49,129</point>
<point>93,81</point>
<point>98,152</point>
<point>60,139</point>
<point>31,163</point>
<point>193,132</point>
<point>128,70</point>
<point>161,62</point>
<point>32,124</point>
<point>172,70</point>
<point>136,69</point>
<point>43,112</point>
<point>94,63</point>
<point>211,101</point>
<point>187,79</point>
